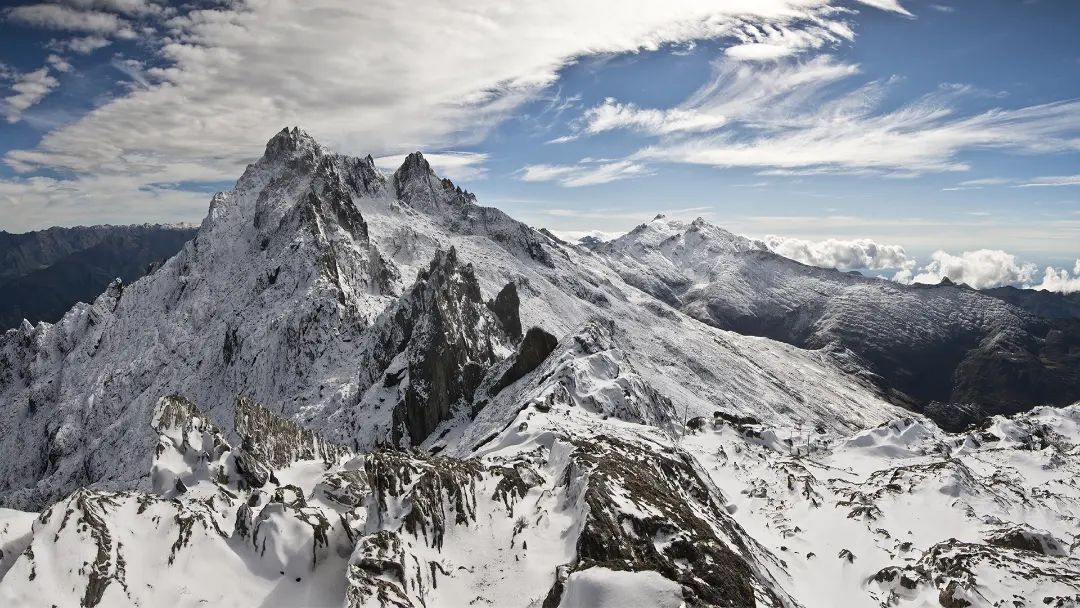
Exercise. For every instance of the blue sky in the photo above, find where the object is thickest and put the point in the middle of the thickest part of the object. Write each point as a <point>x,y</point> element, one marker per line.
<point>836,127</point>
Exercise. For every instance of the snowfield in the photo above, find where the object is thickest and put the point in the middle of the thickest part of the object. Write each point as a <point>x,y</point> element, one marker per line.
<point>357,390</point>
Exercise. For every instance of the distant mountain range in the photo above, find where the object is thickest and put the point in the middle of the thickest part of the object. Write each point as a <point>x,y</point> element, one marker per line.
<point>44,273</point>
<point>1046,304</point>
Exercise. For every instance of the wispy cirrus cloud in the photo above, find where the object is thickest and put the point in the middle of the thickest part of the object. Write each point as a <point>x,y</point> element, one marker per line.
<point>979,184</point>
<point>1051,181</point>
<point>738,92</point>
<point>612,115</point>
<point>798,116</point>
<point>851,134</point>
<point>585,173</point>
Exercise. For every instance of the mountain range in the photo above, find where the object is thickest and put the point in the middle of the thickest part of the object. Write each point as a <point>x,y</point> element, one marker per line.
<point>44,273</point>
<point>354,389</point>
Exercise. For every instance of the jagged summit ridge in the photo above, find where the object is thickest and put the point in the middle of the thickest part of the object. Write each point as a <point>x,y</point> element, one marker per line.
<point>276,296</point>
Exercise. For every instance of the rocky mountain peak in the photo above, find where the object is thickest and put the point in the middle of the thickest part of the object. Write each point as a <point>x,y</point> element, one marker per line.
<point>290,142</point>
<point>416,184</point>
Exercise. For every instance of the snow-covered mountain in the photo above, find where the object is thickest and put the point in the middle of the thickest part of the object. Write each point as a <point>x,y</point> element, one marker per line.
<point>929,345</point>
<point>358,390</point>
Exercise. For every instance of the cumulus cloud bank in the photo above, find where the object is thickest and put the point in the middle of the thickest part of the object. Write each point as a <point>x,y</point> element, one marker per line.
<point>1059,280</point>
<point>858,254</point>
<point>980,269</point>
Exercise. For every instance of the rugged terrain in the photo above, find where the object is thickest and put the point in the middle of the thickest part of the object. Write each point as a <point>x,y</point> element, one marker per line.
<point>351,389</point>
<point>44,273</point>
<point>936,347</point>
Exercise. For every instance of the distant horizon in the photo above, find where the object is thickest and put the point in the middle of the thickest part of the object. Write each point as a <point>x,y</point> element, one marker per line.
<point>948,131</point>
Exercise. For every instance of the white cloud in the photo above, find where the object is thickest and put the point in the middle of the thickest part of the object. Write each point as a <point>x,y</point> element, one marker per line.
<point>573,236</point>
<point>980,269</point>
<point>458,166</point>
<point>28,90</point>
<point>583,173</point>
<point>58,63</point>
<point>978,184</point>
<point>59,17</point>
<point>943,8</point>
<point>363,79</point>
<point>770,42</point>
<point>1052,181</point>
<point>786,117</point>
<point>887,5</point>
<point>986,181</point>
<point>126,7</point>
<point>1059,280</point>
<point>611,115</point>
<point>854,254</point>
<point>82,45</point>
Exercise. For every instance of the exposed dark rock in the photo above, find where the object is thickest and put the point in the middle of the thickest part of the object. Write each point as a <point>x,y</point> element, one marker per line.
<point>1046,304</point>
<point>1023,538</point>
<point>417,185</point>
<point>440,491</point>
<point>269,442</point>
<point>954,417</point>
<point>446,334</point>
<point>534,348</point>
<point>505,307</point>
<point>670,500</point>
<point>942,343</point>
<point>346,488</point>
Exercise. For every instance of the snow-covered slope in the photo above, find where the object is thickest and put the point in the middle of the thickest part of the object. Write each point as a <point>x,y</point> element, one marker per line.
<point>275,299</point>
<point>942,343</point>
<point>572,504</point>
<point>354,390</point>
<point>907,515</point>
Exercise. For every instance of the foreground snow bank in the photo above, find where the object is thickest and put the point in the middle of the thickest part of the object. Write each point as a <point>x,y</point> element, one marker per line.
<point>604,588</point>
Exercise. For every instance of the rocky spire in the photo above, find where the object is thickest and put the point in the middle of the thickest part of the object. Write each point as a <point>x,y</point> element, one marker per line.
<point>417,185</point>
<point>288,142</point>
